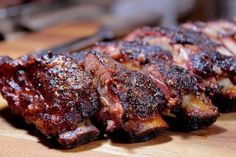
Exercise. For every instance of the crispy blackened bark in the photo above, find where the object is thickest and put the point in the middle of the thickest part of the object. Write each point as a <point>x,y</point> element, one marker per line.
<point>53,93</point>
<point>131,102</point>
<point>196,110</point>
<point>213,63</point>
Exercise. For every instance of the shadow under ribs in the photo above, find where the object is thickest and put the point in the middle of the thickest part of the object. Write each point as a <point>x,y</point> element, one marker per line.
<point>131,101</point>
<point>53,93</point>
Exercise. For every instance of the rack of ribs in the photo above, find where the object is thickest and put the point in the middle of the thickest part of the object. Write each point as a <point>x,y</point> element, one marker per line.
<point>196,52</point>
<point>54,93</point>
<point>134,88</point>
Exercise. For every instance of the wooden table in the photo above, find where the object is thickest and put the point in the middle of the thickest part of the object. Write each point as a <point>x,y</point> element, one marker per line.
<point>47,38</point>
<point>18,139</point>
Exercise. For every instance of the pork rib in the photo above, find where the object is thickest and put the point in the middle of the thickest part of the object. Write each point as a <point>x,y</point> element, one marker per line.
<point>131,102</point>
<point>53,93</point>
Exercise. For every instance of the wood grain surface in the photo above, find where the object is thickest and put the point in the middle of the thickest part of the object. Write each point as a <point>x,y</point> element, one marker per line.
<point>47,38</point>
<point>19,139</point>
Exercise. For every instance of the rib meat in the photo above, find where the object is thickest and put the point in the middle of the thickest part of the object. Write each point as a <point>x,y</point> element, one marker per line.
<point>182,89</point>
<point>131,101</point>
<point>221,31</point>
<point>194,51</point>
<point>53,93</point>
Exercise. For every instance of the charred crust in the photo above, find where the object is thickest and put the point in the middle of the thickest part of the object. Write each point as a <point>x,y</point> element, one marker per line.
<point>134,49</point>
<point>179,78</point>
<point>69,83</point>
<point>79,139</point>
<point>213,63</point>
<point>190,121</point>
<point>131,137</point>
<point>139,95</point>
<point>213,89</point>
<point>180,35</point>
<point>136,54</point>
<point>177,34</point>
<point>224,103</point>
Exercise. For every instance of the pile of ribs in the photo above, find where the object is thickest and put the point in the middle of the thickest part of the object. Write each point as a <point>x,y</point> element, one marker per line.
<point>155,78</point>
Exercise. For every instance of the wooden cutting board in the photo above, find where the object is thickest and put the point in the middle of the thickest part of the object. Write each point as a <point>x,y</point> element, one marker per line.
<point>19,139</point>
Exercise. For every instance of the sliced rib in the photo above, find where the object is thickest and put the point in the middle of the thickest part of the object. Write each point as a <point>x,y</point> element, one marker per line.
<point>53,93</point>
<point>131,101</point>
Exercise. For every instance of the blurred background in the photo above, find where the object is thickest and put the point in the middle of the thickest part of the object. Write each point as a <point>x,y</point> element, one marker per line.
<point>20,17</point>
